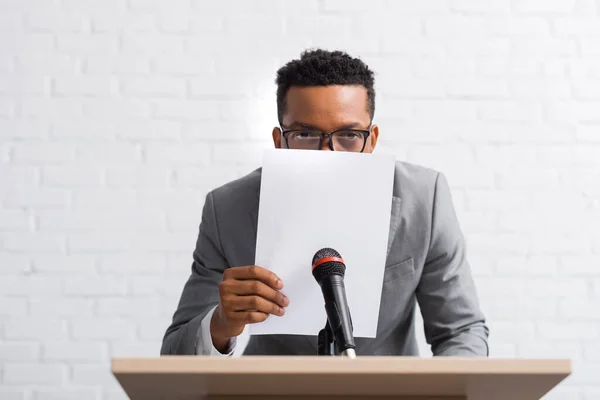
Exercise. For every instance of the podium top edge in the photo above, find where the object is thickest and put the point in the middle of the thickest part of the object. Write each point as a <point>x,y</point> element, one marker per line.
<point>211,365</point>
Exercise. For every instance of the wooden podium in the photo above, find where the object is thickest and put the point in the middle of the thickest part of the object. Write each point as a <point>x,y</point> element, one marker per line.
<point>378,378</point>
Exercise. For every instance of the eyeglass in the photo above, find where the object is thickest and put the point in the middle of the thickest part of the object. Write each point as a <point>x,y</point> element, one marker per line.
<point>350,140</point>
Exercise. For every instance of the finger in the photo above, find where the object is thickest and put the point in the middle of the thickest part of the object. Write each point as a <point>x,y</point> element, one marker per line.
<point>257,273</point>
<point>258,288</point>
<point>255,303</point>
<point>249,317</point>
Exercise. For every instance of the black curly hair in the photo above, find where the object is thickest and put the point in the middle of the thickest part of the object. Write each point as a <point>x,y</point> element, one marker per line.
<point>318,67</point>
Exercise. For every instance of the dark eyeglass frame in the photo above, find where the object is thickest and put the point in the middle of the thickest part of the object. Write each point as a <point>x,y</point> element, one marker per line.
<point>365,132</point>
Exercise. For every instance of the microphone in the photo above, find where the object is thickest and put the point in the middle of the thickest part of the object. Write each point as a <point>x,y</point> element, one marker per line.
<point>328,269</point>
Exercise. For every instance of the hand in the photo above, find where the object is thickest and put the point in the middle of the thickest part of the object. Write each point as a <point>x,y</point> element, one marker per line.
<point>247,295</point>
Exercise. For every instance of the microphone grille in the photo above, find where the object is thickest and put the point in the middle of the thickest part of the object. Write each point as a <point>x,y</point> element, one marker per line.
<point>327,268</point>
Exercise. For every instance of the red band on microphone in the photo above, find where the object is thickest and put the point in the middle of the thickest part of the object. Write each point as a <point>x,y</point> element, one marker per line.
<point>327,259</point>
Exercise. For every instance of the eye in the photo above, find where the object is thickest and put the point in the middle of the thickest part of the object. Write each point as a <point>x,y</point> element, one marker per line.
<point>349,135</point>
<point>304,135</point>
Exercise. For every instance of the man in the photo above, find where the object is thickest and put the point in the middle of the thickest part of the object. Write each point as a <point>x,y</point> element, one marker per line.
<point>326,101</point>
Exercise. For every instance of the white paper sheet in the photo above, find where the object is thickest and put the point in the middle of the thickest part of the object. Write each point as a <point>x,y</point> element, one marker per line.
<point>315,199</point>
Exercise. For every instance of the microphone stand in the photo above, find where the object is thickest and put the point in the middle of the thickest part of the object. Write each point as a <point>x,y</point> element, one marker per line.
<point>325,345</point>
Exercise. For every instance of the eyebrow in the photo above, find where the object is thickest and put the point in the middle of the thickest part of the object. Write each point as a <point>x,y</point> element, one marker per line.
<point>312,127</point>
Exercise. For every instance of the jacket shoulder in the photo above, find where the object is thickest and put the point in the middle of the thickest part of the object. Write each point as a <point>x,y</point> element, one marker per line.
<point>414,180</point>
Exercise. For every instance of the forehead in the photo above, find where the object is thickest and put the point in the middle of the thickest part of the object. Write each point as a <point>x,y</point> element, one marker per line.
<point>327,106</point>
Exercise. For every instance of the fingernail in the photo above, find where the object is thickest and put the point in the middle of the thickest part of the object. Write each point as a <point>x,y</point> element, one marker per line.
<point>281,311</point>
<point>279,284</point>
<point>286,301</point>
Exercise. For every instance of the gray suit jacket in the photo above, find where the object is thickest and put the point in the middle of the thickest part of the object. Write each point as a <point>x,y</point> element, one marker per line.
<point>426,262</point>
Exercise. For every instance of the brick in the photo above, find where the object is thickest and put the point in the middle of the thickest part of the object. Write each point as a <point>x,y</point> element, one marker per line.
<point>163,242</point>
<point>148,130</point>
<point>13,393</point>
<point>34,328</point>
<point>86,198</point>
<point>154,87</point>
<point>17,84</point>
<point>131,177</point>
<point>519,307</point>
<point>43,152</point>
<point>185,110</point>
<point>540,89</point>
<point>184,64</point>
<point>129,307</point>
<point>30,285</point>
<point>477,88</point>
<point>121,153</point>
<point>178,153</point>
<point>513,332</point>
<point>52,263</point>
<point>504,243</point>
<point>582,265</point>
<point>152,44</point>
<point>574,112</point>
<point>476,7</point>
<point>69,351</point>
<point>422,46</point>
<point>579,308</point>
<point>56,21</point>
<point>152,329</point>
<point>49,109</point>
<point>21,129</point>
<point>32,242</point>
<point>72,177</point>
<point>572,331</point>
<point>19,351</point>
<point>18,175</point>
<point>585,372</point>
<point>554,243</point>
<point>82,242</point>
<point>576,26</point>
<point>11,21</point>
<point>66,394</point>
<point>12,306</point>
<point>124,264</point>
<point>84,86</point>
<point>573,351</point>
<point>15,220</point>
<point>246,153</point>
<point>478,46</point>
<point>588,133</point>
<point>14,264</point>
<point>93,375</point>
<point>589,47</point>
<point>586,90</point>
<point>102,328</point>
<point>454,26</point>
<point>450,111</point>
<point>46,62</point>
<point>160,286</point>
<point>204,177</point>
<point>510,111</point>
<point>121,107</point>
<point>39,374</point>
<point>527,266</point>
<point>61,307</point>
<point>114,23</point>
<point>134,349</point>
<point>545,6</point>
<point>7,109</point>
<point>25,196</point>
<point>94,286</point>
<point>97,43</point>
<point>119,64</point>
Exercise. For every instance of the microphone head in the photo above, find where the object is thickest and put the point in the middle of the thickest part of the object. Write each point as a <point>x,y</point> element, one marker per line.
<point>327,262</point>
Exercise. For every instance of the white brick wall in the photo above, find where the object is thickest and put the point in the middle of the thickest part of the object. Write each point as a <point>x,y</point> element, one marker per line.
<point>116,118</point>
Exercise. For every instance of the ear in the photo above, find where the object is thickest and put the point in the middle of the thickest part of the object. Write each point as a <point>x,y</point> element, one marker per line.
<point>374,136</point>
<point>277,138</point>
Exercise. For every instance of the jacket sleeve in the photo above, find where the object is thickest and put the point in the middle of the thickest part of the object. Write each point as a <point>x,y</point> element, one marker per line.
<point>454,325</point>
<point>201,291</point>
